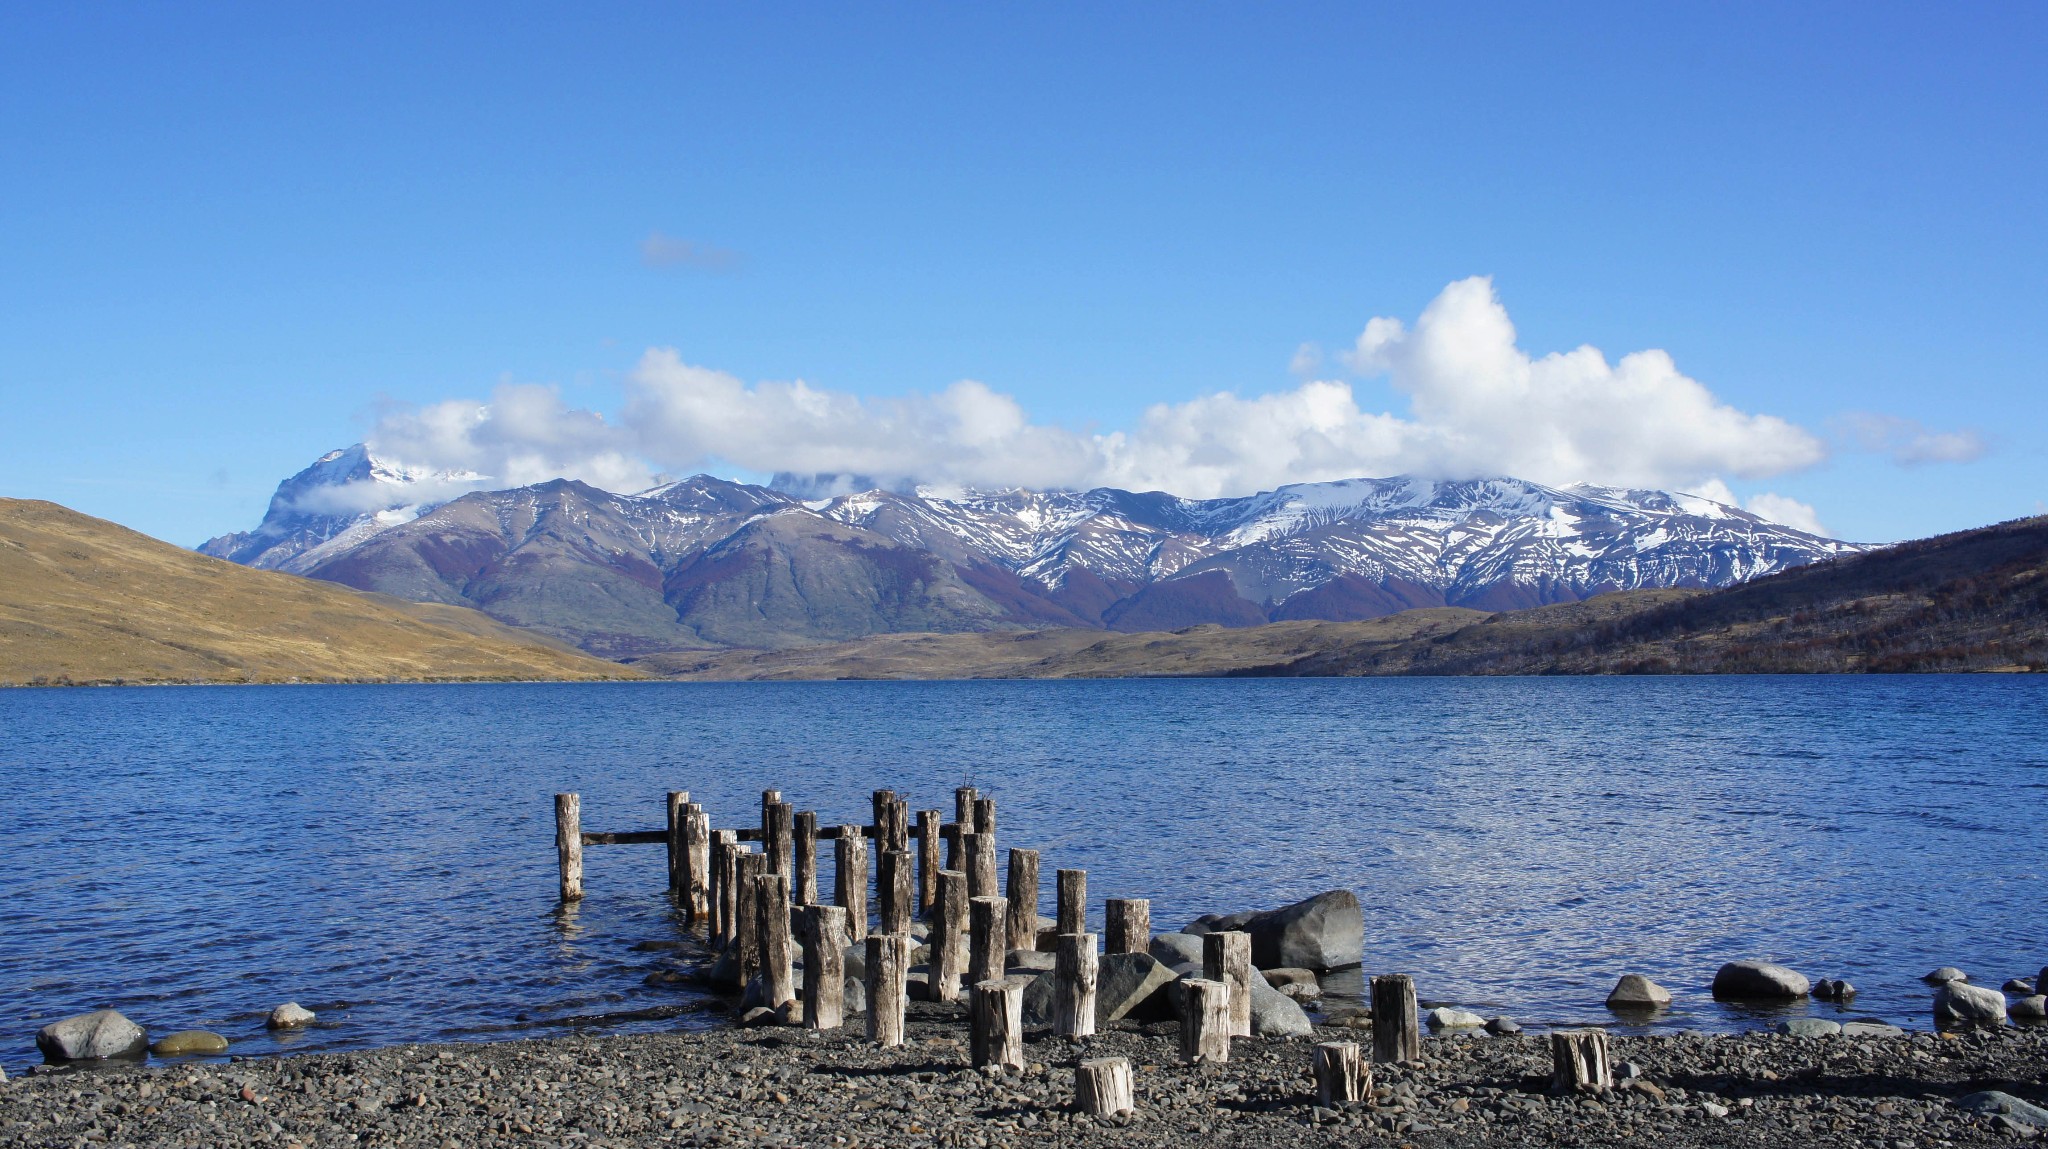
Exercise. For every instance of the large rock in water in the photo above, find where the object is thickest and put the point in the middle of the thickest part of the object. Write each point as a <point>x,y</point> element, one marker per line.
<point>1321,933</point>
<point>1960,1003</point>
<point>1173,949</point>
<point>92,1037</point>
<point>1759,980</point>
<point>1636,992</point>
<point>1132,985</point>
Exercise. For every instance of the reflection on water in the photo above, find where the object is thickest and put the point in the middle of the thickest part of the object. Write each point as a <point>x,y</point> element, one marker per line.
<point>384,855</point>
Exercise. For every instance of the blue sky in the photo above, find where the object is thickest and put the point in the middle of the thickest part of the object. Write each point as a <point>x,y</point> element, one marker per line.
<point>236,237</point>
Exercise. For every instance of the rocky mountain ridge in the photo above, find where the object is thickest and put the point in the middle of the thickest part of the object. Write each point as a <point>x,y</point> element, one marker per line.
<point>707,562</point>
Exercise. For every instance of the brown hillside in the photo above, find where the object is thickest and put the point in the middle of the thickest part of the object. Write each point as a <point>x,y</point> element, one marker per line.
<point>85,601</point>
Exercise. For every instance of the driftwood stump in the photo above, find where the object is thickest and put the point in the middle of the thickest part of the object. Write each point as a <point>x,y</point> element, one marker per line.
<point>771,902</point>
<point>1227,957</point>
<point>888,987</point>
<point>927,862</point>
<point>824,938</point>
<point>1102,1086</point>
<point>803,889</point>
<point>1578,1060</point>
<point>997,1011</point>
<point>1396,1026</point>
<point>1073,986</point>
<point>1342,1073</point>
<point>569,845</point>
<point>1022,895</point>
<point>1127,925</point>
<point>947,922</point>
<point>850,880</point>
<point>1204,1021</point>
<point>988,949</point>
<point>1072,886</point>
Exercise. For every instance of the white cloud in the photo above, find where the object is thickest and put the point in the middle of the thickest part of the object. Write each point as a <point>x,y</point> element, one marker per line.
<point>1770,505</point>
<point>1479,406</point>
<point>1909,442</point>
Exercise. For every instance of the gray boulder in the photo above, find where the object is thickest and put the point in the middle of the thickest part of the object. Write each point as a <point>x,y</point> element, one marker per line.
<point>2024,986</point>
<point>1871,1029</point>
<point>1993,1103</point>
<point>856,960</point>
<point>91,1037</point>
<point>2033,1007</point>
<point>1321,933</point>
<point>1035,960</point>
<point>1809,1027</point>
<point>1173,949</point>
<point>1445,1017</point>
<point>1759,980</point>
<point>1502,1026</point>
<point>1833,989</point>
<point>290,1015</point>
<point>1960,1003</point>
<point>724,970</point>
<point>1274,1014</point>
<point>1038,1001</point>
<point>1946,973</point>
<point>1280,979</point>
<point>1636,992</point>
<point>1216,923</point>
<point>1133,986</point>
<point>853,996</point>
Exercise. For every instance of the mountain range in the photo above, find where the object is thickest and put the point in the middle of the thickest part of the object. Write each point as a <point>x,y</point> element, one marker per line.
<point>708,563</point>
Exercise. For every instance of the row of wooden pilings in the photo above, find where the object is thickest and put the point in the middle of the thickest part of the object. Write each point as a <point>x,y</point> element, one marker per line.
<point>759,905</point>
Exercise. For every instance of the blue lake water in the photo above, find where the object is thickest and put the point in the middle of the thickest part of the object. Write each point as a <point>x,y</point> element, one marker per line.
<point>384,854</point>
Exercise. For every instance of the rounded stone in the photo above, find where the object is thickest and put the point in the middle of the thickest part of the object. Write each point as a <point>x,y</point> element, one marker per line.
<point>91,1037</point>
<point>290,1015</point>
<point>187,1042</point>
<point>1759,980</point>
<point>1634,991</point>
<point>1946,973</point>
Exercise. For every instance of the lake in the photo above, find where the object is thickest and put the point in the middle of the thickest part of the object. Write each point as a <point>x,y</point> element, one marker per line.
<point>384,854</point>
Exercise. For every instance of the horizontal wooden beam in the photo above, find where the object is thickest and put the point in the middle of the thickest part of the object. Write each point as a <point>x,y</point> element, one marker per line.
<point>744,834</point>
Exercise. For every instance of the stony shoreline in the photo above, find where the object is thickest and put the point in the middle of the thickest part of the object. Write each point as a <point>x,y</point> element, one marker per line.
<point>782,1086</point>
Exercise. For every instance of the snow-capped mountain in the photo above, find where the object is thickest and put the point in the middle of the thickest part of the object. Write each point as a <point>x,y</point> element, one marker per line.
<point>707,562</point>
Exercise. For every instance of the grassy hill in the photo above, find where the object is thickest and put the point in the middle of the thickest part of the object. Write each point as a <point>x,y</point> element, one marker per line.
<point>85,601</point>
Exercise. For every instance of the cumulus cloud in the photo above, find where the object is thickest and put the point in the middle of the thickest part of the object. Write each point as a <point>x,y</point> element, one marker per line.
<point>666,251</point>
<point>1909,442</point>
<point>1479,405</point>
<point>1770,505</point>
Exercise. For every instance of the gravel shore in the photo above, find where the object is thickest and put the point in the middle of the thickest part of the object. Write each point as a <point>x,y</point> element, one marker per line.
<point>795,1087</point>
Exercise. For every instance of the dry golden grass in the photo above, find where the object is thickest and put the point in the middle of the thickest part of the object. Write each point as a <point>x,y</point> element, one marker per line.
<point>85,601</point>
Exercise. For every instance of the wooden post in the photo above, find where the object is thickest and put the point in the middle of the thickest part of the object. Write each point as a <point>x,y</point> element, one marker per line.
<point>963,809</point>
<point>776,840</point>
<point>1396,1027</point>
<point>1342,1073</point>
<point>1073,901</point>
<point>771,903</point>
<point>988,948</point>
<point>1022,895</point>
<point>768,799</point>
<point>1102,1086</point>
<point>996,1011</point>
<point>850,880</point>
<point>1227,957</point>
<point>1073,986</point>
<point>949,916</point>
<point>696,862</point>
<point>1127,925</point>
<point>825,945</point>
<point>677,801</point>
<point>895,892</point>
<point>1204,1021</point>
<point>892,821</point>
<point>746,939</point>
<point>981,865</point>
<point>569,844</point>
<point>888,987</point>
<point>927,862</point>
<point>1578,1059</point>
<point>714,891</point>
<point>725,877</point>
<point>985,816</point>
<point>805,888</point>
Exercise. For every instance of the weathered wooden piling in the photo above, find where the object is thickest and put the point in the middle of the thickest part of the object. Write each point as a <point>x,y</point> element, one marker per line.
<point>1227,957</point>
<point>1102,1086</point>
<point>724,873</point>
<point>1204,1021</point>
<point>988,947</point>
<point>1021,892</point>
<point>949,918</point>
<point>569,844</point>
<point>678,800</point>
<point>805,847</point>
<point>963,823</point>
<point>850,880</point>
<point>927,862</point>
<point>771,904</point>
<point>824,940</point>
<point>778,839</point>
<point>1073,987</point>
<point>893,889</point>
<point>696,863</point>
<point>1072,892</point>
<point>1578,1061</point>
<point>888,987</point>
<point>1127,925</point>
<point>1396,1026</point>
<point>981,862</point>
<point>985,816</point>
<point>996,1017</point>
<point>892,821</point>
<point>1342,1073</point>
<point>746,939</point>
